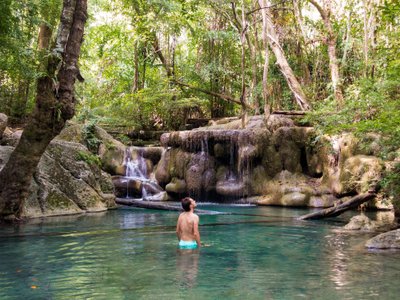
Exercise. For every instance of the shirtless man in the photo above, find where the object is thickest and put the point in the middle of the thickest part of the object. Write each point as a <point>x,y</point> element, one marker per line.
<point>187,228</point>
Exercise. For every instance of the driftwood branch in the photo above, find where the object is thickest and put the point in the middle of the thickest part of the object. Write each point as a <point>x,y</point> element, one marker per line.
<point>147,204</point>
<point>221,96</point>
<point>339,209</point>
<point>289,112</point>
<point>158,206</point>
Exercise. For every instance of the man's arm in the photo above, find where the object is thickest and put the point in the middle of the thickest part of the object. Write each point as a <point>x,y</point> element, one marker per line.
<point>178,228</point>
<point>196,232</point>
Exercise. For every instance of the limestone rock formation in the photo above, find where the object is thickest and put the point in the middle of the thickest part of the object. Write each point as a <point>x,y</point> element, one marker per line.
<point>271,162</point>
<point>228,162</point>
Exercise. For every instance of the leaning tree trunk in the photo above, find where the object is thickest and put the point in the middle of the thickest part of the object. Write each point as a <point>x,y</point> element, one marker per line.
<point>330,41</point>
<point>241,26</point>
<point>159,53</point>
<point>243,66</point>
<point>284,66</point>
<point>267,104</point>
<point>55,104</point>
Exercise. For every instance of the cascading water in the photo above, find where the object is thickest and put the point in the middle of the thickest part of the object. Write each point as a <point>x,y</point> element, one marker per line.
<point>136,176</point>
<point>231,173</point>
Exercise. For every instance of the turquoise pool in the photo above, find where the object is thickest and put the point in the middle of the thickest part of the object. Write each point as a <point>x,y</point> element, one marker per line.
<point>258,253</point>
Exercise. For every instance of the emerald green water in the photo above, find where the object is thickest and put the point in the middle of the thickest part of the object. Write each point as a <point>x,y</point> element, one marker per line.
<point>131,254</point>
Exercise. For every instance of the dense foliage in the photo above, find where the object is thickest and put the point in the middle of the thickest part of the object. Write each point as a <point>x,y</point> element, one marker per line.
<point>19,58</point>
<point>152,64</point>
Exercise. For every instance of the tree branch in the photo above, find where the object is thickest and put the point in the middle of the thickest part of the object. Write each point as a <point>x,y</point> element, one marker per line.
<point>221,96</point>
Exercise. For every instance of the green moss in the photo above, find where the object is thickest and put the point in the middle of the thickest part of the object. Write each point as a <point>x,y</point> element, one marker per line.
<point>56,200</point>
<point>391,184</point>
<point>89,158</point>
<point>89,135</point>
<point>110,146</point>
<point>124,139</point>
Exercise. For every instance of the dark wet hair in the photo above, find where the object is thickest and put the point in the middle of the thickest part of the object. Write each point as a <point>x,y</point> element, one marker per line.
<point>186,203</point>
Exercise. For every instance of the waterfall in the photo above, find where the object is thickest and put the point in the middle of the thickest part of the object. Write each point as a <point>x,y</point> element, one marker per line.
<point>204,146</point>
<point>231,173</point>
<point>136,175</point>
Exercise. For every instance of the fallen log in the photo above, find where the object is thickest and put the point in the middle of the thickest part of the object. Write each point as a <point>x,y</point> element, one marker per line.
<point>339,209</point>
<point>159,206</point>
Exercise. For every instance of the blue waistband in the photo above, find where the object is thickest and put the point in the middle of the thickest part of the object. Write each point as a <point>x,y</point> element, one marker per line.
<point>187,244</point>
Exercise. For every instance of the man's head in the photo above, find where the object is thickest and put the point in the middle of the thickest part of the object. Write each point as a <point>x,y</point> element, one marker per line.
<point>188,203</point>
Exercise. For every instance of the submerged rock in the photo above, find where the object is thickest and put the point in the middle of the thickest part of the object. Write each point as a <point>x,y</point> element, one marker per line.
<point>387,240</point>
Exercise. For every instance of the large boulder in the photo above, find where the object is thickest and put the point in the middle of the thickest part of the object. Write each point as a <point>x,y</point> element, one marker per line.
<point>69,174</point>
<point>110,151</point>
<point>67,181</point>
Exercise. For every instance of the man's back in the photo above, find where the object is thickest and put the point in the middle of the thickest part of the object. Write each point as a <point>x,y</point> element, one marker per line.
<point>188,226</point>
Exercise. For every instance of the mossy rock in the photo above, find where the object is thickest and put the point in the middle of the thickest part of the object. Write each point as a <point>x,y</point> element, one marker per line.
<point>271,161</point>
<point>295,199</point>
<point>57,203</point>
<point>360,174</point>
<point>72,133</point>
<point>259,180</point>
<point>162,173</point>
<point>177,186</point>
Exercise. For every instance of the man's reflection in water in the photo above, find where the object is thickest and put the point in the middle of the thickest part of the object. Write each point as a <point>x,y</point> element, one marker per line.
<point>187,264</point>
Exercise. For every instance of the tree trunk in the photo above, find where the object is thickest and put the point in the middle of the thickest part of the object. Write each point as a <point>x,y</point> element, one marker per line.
<point>254,65</point>
<point>243,100</point>
<point>143,80</point>
<point>286,70</point>
<point>159,53</point>
<point>135,86</point>
<point>347,41</point>
<point>302,51</point>
<point>330,40</point>
<point>55,104</point>
<point>267,104</point>
<point>369,41</point>
<point>241,26</point>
